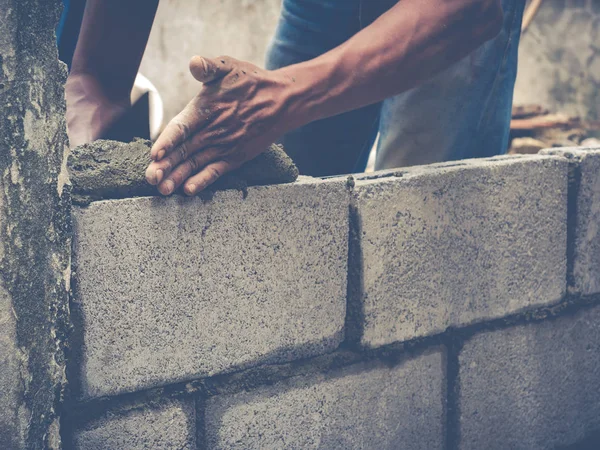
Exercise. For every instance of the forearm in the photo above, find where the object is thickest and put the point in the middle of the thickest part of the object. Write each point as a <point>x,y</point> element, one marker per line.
<point>111,44</point>
<point>411,42</point>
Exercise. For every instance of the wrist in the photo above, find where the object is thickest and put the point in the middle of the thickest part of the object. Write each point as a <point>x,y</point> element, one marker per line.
<point>88,85</point>
<point>307,93</point>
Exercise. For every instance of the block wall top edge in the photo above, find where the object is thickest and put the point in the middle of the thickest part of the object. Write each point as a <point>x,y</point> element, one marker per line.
<point>571,152</point>
<point>227,193</point>
<point>450,167</point>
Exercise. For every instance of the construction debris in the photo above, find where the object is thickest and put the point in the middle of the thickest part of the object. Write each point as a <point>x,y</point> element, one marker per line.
<point>534,128</point>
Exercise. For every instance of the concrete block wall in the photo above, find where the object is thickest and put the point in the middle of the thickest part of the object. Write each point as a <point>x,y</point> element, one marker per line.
<point>449,306</point>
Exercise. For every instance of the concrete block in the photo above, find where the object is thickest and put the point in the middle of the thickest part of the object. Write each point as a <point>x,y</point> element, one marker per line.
<point>456,244</point>
<point>170,425</point>
<point>586,259</point>
<point>533,386</point>
<point>366,406</point>
<point>586,252</point>
<point>182,288</point>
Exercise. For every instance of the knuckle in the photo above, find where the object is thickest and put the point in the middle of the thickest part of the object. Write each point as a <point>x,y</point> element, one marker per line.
<point>192,164</point>
<point>181,127</point>
<point>178,175</point>
<point>165,165</point>
<point>183,150</point>
<point>175,178</point>
<point>213,173</point>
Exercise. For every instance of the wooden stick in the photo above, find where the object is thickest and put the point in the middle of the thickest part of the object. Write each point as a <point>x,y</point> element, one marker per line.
<point>530,13</point>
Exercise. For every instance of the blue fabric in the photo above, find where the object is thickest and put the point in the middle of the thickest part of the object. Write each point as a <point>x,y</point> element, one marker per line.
<point>67,31</point>
<point>63,18</point>
<point>464,112</point>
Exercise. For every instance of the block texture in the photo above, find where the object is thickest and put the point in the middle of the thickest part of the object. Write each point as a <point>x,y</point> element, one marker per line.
<point>162,427</point>
<point>367,406</point>
<point>533,386</point>
<point>586,251</point>
<point>174,289</point>
<point>456,244</point>
<point>586,261</point>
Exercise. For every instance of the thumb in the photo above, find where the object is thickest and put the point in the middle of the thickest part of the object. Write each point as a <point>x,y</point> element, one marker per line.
<point>206,70</point>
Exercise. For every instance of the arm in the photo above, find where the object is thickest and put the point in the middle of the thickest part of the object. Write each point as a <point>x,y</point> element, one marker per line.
<point>241,108</point>
<point>410,43</point>
<point>109,50</point>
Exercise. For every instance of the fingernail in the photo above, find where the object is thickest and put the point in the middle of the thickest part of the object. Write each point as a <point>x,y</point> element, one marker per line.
<point>168,187</point>
<point>158,175</point>
<point>160,154</point>
<point>191,189</point>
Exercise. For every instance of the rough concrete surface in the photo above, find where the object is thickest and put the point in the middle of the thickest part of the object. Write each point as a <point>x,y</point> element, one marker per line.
<point>181,288</point>
<point>586,262</point>
<point>110,169</point>
<point>34,241</point>
<point>586,251</point>
<point>559,60</point>
<point>455,245</point>
<point>367,406</point>
<point>12,429</point>
<point>168,426</point>
<point>533,386</point>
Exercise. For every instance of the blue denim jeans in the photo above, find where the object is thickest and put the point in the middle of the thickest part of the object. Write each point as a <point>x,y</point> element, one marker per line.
<point>463,112</point>
<point>67,30</point>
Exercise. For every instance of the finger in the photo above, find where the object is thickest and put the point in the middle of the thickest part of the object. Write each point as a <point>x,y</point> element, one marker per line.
<point>207,176</point>
<point>158,170</point>
<point>175,133</point>
<point>208,69</point>
<point>187,168</point>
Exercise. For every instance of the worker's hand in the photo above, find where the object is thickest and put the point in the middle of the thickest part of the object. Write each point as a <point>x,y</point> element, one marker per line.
<point>240,110</point>
<point>90,111</point>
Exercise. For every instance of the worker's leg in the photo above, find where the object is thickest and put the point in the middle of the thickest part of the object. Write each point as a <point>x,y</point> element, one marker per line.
<point>306,29</point>
<point>463,112</point>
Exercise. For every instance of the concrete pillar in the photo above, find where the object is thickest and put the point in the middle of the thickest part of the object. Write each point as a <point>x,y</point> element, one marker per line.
<point>34,236</point>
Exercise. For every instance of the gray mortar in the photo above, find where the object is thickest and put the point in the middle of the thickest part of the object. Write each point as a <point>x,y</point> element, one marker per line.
<point>108,170</point>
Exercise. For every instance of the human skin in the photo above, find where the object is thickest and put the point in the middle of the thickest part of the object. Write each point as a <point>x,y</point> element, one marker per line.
<point>107,57</point>
<point>241,108</point>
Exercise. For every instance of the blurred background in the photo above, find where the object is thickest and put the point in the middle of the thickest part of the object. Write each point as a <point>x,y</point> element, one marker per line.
<point>557,94</point>
<point>559,65</point>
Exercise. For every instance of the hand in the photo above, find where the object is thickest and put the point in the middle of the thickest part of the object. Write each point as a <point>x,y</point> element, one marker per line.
<point>91,111</point>
<point>240,110</point>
